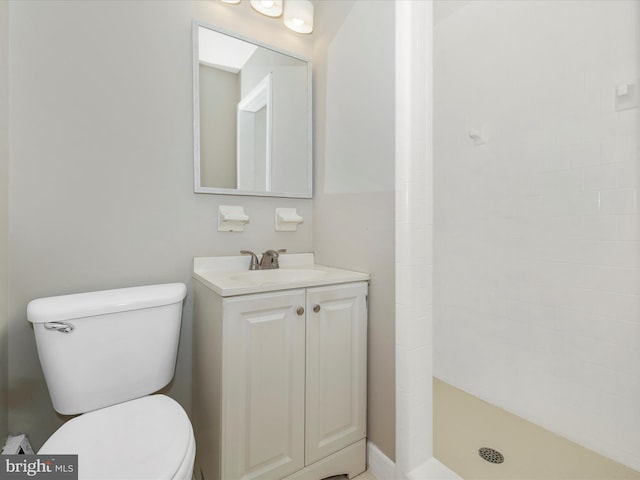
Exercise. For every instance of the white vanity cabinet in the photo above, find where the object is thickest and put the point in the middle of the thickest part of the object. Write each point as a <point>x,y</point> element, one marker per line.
<point>279,386</point>
<point>336,370</point>
<point>263,389</point>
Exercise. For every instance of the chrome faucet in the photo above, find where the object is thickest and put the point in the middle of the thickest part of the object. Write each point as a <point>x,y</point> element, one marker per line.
<point>254,265</point>
<point>270,259</point>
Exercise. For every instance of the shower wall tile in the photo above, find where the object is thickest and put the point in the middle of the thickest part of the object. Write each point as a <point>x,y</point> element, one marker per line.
<point>622,147</point>
<point>572,202</point>
<point>628,174</point>
<point>571,179</point>
<point>536,252</point>
<point>601,177</point>
<point>622,201</point>
<point>585,154</point>
<point>414,245</point>
<point>629,227</point>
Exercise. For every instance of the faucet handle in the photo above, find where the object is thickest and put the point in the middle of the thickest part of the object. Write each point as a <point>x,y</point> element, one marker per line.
<point>254,265</point>
<point>270,259</point>
<point>276,256</point>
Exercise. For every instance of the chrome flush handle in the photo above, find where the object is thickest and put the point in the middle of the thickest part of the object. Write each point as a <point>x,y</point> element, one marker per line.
<point>61,327</point>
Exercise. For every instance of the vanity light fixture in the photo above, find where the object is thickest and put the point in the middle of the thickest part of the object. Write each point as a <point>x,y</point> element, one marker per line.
<point>270,8</point>
<point>298,14</point>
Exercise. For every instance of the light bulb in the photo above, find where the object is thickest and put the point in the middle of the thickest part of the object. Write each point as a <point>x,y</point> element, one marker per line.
<point>298,15</point>
<point>270,8</point>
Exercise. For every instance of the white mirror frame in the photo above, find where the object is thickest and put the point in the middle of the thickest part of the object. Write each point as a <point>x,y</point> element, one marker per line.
<point>198,187</point>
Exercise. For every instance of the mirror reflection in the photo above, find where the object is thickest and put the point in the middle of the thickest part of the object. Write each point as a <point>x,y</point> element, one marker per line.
<point>252,118</point>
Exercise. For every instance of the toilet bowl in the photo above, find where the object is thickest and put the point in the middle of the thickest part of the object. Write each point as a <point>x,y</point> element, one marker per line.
<point>146,438</point>
<point>103,354</point>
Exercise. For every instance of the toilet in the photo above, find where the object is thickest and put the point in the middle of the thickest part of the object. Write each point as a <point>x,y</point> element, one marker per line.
<point>103,355</point>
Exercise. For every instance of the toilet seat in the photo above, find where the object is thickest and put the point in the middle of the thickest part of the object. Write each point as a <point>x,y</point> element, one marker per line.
<point>146,438</point>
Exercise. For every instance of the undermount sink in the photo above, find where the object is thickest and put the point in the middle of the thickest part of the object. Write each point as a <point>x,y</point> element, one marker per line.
<point>279,275</point>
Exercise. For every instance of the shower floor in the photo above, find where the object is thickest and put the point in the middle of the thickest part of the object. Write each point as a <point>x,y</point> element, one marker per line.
<point>464,423</point>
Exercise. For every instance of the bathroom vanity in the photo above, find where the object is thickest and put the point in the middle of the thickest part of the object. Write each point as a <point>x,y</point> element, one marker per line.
<point>279,385</point>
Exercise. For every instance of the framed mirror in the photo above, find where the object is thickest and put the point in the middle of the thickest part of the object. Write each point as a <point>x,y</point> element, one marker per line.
<point>252,117</point>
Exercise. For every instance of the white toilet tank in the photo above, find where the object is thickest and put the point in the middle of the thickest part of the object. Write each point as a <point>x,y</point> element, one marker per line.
<point>102,348</point>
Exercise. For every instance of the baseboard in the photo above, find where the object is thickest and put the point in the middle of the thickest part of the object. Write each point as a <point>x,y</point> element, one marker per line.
<point>383,468</point>
<point>432,469</point>
<point>378,464</point>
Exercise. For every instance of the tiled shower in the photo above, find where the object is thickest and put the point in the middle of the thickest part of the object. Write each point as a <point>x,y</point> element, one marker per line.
<point>536,213</point>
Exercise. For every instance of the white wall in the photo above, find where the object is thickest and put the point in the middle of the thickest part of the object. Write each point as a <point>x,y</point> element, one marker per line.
<point>101,191</point>
<point>537,243</point>
<point>354,175</point>
<point>4,210</point>
<point>359,147</point>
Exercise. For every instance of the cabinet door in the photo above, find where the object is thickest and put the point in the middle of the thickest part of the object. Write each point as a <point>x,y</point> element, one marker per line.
<point>336,368</point>
<point>263,378</point>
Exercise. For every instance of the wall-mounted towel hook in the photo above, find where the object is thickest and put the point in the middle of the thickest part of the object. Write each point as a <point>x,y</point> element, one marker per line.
<point>478,135</point>
<point>626,96</point>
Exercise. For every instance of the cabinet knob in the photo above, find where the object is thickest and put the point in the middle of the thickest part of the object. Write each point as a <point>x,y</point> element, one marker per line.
<point>316,308</point>
<point>300,311</point>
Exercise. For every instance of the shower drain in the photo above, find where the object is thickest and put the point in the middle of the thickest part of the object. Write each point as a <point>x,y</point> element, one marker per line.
<point>491,455</point>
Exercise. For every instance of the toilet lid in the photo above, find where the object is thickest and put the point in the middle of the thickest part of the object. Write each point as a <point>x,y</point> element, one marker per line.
<point>146,438</point>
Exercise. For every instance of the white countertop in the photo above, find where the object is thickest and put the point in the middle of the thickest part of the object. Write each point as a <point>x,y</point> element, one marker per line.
<point>229,276</point>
